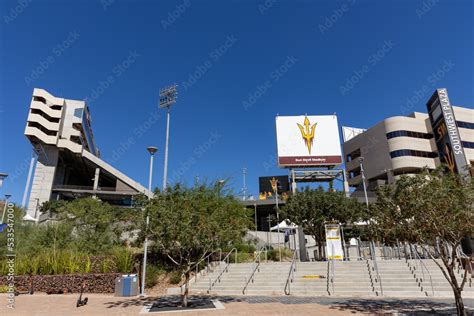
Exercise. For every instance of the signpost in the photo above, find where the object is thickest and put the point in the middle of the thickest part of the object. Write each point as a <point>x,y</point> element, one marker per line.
<point>333,242</point>
<point>446,132</point>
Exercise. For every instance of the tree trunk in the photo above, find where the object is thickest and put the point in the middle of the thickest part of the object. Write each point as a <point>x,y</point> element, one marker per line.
<point>184,296</point>
<point>457,291</point>
<point>320,255</point>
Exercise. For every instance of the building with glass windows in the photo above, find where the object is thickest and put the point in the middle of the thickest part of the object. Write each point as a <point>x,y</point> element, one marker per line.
<point>406,144</point>
<point>68,163</point>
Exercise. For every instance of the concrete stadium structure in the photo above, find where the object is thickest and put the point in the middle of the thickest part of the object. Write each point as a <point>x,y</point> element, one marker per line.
<point>68,163</point>
<point>400,145</point>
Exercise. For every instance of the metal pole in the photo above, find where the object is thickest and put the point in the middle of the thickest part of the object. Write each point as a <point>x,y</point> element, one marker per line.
<point>151,172</point>
<point>293,181</point>
<point>165,172</point>
<point>361,159</point>
<point>152,151</point>
<point>28,180</point>
<point>244,189</point>
<point>346,256</point>
<point>278,220</point>
<point>255,207</point>
<point>145,250</point>
<point>268,233</point>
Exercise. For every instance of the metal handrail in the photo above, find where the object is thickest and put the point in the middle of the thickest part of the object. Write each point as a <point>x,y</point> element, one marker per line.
<point>330,277</point>
<point>291,274</point>
<point>330,274</point>
<point>226,268</point>
<point>196,266</point>
<point>423,267</point>
<point>254,269</point>
<point>376,268</point>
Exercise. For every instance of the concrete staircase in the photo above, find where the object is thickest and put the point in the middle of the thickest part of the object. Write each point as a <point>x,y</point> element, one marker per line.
<point>441,286</point>
<point>397,279</point>
<point>351,279</point>
<point>269,280</point>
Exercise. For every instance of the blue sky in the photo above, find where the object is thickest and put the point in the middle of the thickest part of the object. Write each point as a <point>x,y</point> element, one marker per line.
<point>238,64</point>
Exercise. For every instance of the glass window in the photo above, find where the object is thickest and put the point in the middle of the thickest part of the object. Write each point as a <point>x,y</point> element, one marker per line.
<point>465,124</point>
<point>78,113</point>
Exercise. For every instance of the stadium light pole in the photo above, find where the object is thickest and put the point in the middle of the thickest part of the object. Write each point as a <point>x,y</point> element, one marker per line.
<point>168,97</point>
<point>152,150</point>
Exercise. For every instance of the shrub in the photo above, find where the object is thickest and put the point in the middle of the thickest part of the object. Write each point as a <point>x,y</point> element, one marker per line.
<point>242,257</point>
<point>4,288</point>
<point>274,254</point>
<point>242,247</point>
<point>123,259</point>
<point>107,265</point>
<point>175,277</point>
<point>152,274</point>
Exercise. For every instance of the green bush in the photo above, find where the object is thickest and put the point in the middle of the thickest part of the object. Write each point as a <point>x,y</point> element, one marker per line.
<point>107,265</point>
<point>175,277</point>
<point>242,257</point>
<point>123,259</point>
<point>274,254</point>
<point>152,274</point>
<point>242,247</point>
<point>4,288</point>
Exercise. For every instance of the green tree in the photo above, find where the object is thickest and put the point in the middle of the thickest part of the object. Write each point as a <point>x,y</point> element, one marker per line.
<point>95,226</point>
<point>432,209</point>
<point>312,208</point>
<point>186,224</point>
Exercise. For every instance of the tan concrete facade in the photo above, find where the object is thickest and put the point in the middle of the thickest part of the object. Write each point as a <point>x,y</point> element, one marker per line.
<point>68,163</point>
<point>401,145</point>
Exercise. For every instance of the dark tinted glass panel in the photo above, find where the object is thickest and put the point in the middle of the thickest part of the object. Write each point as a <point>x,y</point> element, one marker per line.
<point>465,124</point>
<point>413,153</point>
<point>409,134</point>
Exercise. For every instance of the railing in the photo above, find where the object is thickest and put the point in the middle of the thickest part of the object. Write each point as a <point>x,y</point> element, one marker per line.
<point>226,269</point>
<point>291,274</point>
<point>255,268</point>
<point>196,266</point>
<point>330,274</point>
<point>376,268</point>
<point>330,277</point>
<point>423,268</point>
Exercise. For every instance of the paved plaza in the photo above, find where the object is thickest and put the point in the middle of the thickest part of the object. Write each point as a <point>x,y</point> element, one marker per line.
<point>51,305</point>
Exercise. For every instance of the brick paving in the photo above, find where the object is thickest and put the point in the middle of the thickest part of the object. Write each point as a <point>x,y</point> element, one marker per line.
<point>52,305</point>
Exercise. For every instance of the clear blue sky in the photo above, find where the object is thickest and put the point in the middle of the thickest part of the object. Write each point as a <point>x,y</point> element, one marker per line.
<point>119,53</point>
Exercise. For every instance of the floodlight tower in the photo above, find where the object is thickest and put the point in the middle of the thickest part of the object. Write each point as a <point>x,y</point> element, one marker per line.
<point>168,97</point>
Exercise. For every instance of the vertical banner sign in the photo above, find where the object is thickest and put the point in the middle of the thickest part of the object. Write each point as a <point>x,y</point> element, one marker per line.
<point>446,133</point>
<point>333,242</point>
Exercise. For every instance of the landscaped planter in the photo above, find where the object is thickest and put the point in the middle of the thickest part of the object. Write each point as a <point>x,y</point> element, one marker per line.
<point>66,283</point>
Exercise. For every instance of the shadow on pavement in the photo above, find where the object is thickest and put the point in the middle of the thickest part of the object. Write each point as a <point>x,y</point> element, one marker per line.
<point>406,307</point>
<point>168,302</point>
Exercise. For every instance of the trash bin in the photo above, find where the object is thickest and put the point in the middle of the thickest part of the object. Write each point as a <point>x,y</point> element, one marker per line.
<point>126,285</point>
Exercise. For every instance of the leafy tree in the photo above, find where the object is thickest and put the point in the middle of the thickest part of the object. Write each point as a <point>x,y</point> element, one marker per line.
<point>186,224</point>
<point>312,208</point>
<point>432,209</point>
<point>96,226</point>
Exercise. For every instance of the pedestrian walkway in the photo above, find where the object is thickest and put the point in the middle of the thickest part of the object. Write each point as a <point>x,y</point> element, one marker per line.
<point>52,305</point>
